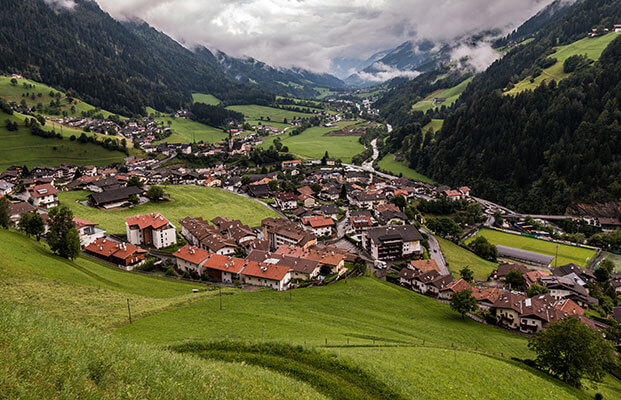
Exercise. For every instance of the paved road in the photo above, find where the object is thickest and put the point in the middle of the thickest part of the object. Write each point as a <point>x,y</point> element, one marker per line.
<point>341,226</point>
<point>435,252</point>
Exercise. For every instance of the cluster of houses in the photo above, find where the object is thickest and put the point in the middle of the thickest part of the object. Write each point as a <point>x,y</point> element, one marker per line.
<point>567,293</point>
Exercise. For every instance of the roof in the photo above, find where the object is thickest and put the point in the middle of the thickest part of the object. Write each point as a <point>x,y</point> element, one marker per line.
<point>116,195</point>
<point>441,281</point>
<point>297,264</point>
<point>107,248</point>
<point>43,190</point>
<point>21,207</point>
<point>230,264</point>
<point>425,265</point>
<point>573,268</point>
<point>191,254</point>
<point>489,294</point>
<point>458,286</point>
<point>326,257</point>
<point>452,193</point>
<point>81,223</point>
<point>286,196</point>
<point>406,233</point>
<point>273,272</point>
<point>569,306</point>
<point>505,251</point>
<point>318,221</point>
<point>153,220</point>
<point>509,300</point>
<point>504,269</point>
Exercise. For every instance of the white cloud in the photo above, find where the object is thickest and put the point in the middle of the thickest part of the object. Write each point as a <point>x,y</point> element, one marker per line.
<point>478,57</point>
<point>312,33</point>
<point>68,4</point>
<point>385,72</point>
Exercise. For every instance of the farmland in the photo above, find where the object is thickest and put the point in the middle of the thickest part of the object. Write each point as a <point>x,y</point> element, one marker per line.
<point>185,201</point>
<point>591,47</point>
<point>390,165</point>
<point>458,258</point>
<point>261,113</point>
<point>313,144</point>
<point>566,254</point>
<point>22,148</point>
<point>450,94</point>
<point>205,98</point>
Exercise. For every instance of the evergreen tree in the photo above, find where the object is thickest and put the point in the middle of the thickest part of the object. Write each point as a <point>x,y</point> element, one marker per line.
<point>63,238</point>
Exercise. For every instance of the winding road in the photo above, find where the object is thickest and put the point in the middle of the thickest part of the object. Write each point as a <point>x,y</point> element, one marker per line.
<point>435,252</point>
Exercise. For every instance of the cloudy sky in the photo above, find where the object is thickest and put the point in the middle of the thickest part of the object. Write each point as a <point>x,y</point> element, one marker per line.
<point>314,33</point>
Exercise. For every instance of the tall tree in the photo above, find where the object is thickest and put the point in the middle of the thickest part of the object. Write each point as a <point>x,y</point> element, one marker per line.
<point>5,218</point>
<point>466,274</point>
<point>63,238</point>
<point>32,224</point>
<point>463,302</point>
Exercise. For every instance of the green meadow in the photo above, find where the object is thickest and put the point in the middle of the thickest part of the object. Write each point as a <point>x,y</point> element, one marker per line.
<point>566,254</point>
<point>591,47</point>
<point>450,94</point>
<point>188,131</point>
<point>255,113</point>
<point>435,125</point>
<point>394,167</point>
<point>457,258</point>
<point>193,201</point>
<point>205,98</point>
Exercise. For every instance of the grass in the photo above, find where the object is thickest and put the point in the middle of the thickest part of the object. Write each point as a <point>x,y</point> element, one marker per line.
<point>591,47</point>
<point>313,144</point>
<point>616,259</point>
<point>22,148</point>
<point>389,164</point>
<point>14,93</point>
<point>450,94</point>
<point>435,125</point>
<point>254,113</point>
<point>205,98</point>
<point>83,290</point>
<point>188,131</point>
<point>457,258</point>
<point>566,254</point>
<point>43,358</point>
<point>186,201</point>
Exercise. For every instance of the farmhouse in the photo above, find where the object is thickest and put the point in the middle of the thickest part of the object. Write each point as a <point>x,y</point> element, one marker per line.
<point>393,242</point>
<point>123,254</point>
<point>151,230</point>
<point>43,196</point>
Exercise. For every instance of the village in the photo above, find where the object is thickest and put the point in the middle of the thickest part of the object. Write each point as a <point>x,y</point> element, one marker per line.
<point>334,222</point>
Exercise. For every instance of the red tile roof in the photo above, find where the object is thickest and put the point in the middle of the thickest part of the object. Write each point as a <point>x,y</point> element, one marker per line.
<point>266,271</point>
<point>153,220</point>
<point>106,248</point>
<point>81,223</point>
<point>191,254</point>
<point>318,221</point>
<point>458,286</point>
<point>43,190</point>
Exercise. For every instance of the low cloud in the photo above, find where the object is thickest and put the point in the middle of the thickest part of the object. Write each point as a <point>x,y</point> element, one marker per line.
<point>385,72</point>
<point>478,57</point>
<point>314,33</point>
<point>60,4</point>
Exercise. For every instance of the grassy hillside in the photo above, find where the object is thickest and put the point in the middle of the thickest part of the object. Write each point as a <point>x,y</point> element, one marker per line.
<point>17,94</point>
<point>591,47</point>
<point>22,148</point>
<point>450,94</point>
<point>435,125</point>
<point>390,165</point>
<point>255,112</point>
<point>45,359</point>
<point>205,98</point>
<point>313,144</point>
<point>458,258</point>
<point>188,131</point>
<point>186,201</point>
<point>566,254</point>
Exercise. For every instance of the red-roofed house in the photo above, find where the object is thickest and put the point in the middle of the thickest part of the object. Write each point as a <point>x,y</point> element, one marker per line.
<point>218,267</point>
<point>151,230</point>
<point>44,196</point>
<point>271,275</point>
<point>88,231</point>
<point>465,190</point>
<point>447,292</point>
<point>123,254</point>
<point>320,225</point>
<point>287,200</point>
<point>452,194</point>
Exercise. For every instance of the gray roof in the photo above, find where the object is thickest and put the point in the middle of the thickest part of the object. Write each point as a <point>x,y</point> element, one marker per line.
<point>518,254</point>
<point>406,233</point>
<point>113,196</point>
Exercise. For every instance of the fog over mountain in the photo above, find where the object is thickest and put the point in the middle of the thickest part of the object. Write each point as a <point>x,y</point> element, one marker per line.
<point>319,35</point>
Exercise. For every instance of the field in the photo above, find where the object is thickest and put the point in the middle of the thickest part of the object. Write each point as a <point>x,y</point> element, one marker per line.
<point>389,164</point>
<point>313,144</point>
<point>255,112</point>
<point>43,358</point>
<point>435,125</point>
<point>205,98</point>
<point>616,259</point>
<point>566,254</point>
<point>451,95</point>
<point>458,257</point>
<point>14,93</point>
<point>188,131</point>
<point>22,148</point>
<point>186,201</point>
<point>592,47</point>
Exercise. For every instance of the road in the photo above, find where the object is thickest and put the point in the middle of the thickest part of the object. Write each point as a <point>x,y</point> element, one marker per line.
<point>435,252</point>
<point>164,161</point>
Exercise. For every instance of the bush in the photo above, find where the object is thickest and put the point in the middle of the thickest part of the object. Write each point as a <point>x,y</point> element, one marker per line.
<point>171,272</point>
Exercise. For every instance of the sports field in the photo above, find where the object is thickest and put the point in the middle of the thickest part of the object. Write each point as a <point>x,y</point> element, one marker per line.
<point>390,165</point>
<point>566,254</point>
<point>312,144</point>
<point>592,47</point>
<point>193,201</point>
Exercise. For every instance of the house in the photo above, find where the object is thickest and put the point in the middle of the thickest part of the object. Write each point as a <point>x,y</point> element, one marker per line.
<point>365,200</point>
<point>507,308</point>
<point>290,164</point>
<point>422,266</point>
<point>105,184</point>
<point>259,191</point>
<point>419,281</point>
<point>486,297</point>
<point>123,254</point>
<point>306,191</point>
<point>150,230</point>
<point>453,194</point>
<point>392,242</point>
<point>328,258</point>
<point>447,292</point>
<point>465,191</point>
<point>286,201</point>
<point>330,211</point>
<point>17,209</point>
<point>114,198</point>
<point>321,226</point>
<point>392,218</point>
<point>43,196</point>
<point>302,268</point>
<point>617,27</point>
<point>561,287</point>
<point>276,276</point>
<point>503,270</point>
<point>439,283</point>
<point>6,187</point>
<point>537,312</point>
<point>279,231</point>
<point>88,231</point>
<point>218,267</point>
<point>567,269</point>
<point>534,276</point>
<point>212,181</point>
<point>360,223</point>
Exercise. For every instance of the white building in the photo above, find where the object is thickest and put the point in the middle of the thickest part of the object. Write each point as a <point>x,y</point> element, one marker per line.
<point>44,196</point>
<point>150,230</point>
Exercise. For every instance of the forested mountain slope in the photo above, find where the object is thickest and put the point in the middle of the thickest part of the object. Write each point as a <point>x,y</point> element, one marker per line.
<point>119,66</point>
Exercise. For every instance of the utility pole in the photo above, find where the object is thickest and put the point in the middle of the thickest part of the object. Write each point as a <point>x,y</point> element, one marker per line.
<point>556,258</point>
<point>129,311</point>
<point>220,298</point>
